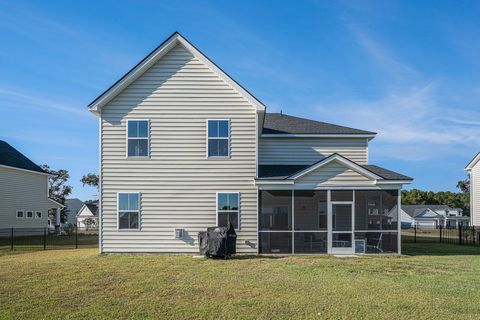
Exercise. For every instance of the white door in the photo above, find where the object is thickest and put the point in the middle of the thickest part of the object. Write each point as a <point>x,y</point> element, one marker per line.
<point>341,226</point>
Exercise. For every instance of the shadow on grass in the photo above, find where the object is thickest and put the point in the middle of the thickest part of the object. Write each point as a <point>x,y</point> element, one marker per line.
<point>438,249</point>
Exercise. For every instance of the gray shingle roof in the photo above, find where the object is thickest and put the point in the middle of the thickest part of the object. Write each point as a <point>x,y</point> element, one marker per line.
<point>414,209</point>
<point>284,171</point>
<point>9,156</point>
<point>277,123</point>
<point>385,173</point>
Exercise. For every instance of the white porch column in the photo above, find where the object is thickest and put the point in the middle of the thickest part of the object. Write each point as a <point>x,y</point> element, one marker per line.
<point>399,221</point>
<point>57,220</point>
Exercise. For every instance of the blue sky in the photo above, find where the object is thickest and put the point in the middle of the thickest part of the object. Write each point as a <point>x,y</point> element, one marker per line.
<point>408,70</point>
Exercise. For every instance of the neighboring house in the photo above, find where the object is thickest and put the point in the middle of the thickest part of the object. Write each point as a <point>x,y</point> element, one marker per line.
<point>72,207</point>
<point>473,168</point>
<point>24,201</point>
<point>184,147</point>
<point>88,211</point>
<point>432,216</point>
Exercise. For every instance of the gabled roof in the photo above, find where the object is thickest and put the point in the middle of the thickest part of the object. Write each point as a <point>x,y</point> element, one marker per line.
<point>284,172</point>
<point>414,210</point>
<point>473,162</point>
<point>92,207</point>
<point>283,124</point>
<point>336,157</point>
<point>11,157</point>
<point>175,39</point>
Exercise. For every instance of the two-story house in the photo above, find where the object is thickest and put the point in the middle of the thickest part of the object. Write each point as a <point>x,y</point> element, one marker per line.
<point>184,147</point>
<point>24,195</point>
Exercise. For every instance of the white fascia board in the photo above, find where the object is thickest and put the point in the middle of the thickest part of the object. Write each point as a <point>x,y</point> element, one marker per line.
<point>393,181</point>
<point>472,163</point>
<point>175,39</point>
<point>270,182</point>
<point>132,75</point>
<point>57,203</point>
<point>287,135</point>
<point>200,56</point>
<point>335,157</point>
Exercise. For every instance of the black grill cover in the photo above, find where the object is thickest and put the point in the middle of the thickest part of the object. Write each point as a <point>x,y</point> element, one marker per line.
<point>218,242</point>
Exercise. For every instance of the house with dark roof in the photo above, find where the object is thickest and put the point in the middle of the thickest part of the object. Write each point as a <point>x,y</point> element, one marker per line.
<point>24,201</point>
<point>72,207</point>
<point>183,147</point>
<point>89,211</point>
<point>432,216</point>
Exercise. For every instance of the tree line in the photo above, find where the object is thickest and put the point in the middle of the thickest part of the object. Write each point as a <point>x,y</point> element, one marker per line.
<point>459,199</point>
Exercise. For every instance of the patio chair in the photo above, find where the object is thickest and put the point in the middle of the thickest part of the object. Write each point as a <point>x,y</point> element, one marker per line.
<point>375,243</point>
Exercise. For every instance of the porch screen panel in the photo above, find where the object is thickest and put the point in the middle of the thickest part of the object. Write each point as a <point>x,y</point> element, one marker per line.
<point>310,210</point>
<point>376,210</point>
<point>310,242</point>
<point>275,242</point>
<point>275,210</point>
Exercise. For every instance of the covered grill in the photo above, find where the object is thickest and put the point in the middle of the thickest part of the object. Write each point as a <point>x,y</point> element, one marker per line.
<point>218,242</point>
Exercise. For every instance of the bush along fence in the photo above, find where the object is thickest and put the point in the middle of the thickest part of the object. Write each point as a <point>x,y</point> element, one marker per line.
<point>46,238</point>
<point>461,235</point>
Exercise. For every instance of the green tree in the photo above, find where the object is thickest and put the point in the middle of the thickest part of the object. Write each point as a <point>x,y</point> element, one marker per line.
<point>59,190</point>
<point>90,179</point>
<point>89,223</point>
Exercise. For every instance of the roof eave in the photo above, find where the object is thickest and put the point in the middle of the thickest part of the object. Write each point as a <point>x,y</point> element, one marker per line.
<point>473,162</point>
<point>176,38</point>
<point>368,136</point>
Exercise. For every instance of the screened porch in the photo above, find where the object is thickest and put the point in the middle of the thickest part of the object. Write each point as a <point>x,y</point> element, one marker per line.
<point>328,221</point>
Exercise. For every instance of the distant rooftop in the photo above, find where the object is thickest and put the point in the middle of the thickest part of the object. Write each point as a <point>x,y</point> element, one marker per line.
<point>278,123</point>
<point>9,156</point>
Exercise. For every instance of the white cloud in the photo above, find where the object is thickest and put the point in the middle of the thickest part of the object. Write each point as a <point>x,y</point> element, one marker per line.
<point>411,124</point>
<point>22,99</point>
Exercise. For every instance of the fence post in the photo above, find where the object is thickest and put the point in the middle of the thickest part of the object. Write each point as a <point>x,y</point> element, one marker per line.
<point>460,235</point>
<point>11,239</point>
<point>44,238</point>
<point>440,233</point>
<point>415,233</point>
<point>76,237</point>
<point>473,234</point>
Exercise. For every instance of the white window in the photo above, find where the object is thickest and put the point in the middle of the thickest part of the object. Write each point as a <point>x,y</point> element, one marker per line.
<point>20,214</point>
<point>129,210</point>
<point>218,138</point>
<point>29,214</point>
<point>228,209</point>
<point>138,138</point>
<point>38,214</point>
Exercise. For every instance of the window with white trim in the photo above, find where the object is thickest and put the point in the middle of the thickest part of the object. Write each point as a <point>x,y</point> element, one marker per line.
<point>20,214</point>
<point>29,214</point>
<point>218,138</point>
<point>138,138</point>
<point>228,209</point>
<point>129,211</point>
<point>38,214</point>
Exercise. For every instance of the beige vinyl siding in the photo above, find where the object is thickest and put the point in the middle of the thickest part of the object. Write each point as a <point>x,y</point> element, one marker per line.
<point>23,190</point>
<point>475,195</point>
<point>331,174</point>
<point>310,150</point>
<point>178,184</point>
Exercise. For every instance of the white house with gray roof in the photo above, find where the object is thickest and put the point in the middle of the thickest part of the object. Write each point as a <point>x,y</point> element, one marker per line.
<point>184,146</point>
<point>24,201</point>
<point>432,216</point>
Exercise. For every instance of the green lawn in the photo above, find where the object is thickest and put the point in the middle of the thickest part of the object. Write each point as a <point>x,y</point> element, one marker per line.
<point>429,281</point>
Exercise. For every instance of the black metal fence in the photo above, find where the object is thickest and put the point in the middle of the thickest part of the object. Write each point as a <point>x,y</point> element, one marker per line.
<point>461,235</point>
<point>47,239</point>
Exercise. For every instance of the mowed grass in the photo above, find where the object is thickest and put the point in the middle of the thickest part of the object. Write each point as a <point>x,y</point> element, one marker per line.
<point>431,281</point>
